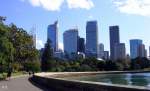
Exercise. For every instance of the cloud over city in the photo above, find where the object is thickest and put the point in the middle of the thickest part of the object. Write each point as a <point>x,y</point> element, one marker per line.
<point>55,5</point>
<point>39,44</point>
<point>84,4</point>
<point>136,7</point>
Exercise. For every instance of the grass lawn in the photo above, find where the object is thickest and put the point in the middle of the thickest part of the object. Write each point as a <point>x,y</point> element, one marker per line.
<point>19,73</point>
<point>4,75</point>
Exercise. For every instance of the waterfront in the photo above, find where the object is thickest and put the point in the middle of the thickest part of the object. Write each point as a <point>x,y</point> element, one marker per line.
<point>133,79</point>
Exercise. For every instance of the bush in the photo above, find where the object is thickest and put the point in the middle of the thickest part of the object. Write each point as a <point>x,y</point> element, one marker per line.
<point>16,67</point>
<point>3,76</point>
<point>33,66</point>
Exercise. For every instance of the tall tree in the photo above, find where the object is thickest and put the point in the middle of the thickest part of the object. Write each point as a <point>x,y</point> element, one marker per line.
<point>6,47</point>
<point>47,56</point>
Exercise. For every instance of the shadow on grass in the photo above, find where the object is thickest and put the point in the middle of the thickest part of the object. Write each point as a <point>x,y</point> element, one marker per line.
<point>43,88</point>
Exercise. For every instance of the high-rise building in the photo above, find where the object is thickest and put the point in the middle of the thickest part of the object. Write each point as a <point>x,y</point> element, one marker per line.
<point>81,45</point>
<point>120,51</point>
<point>134,46</point>
<point>146,53</point>
<point>53,35</point>
<point>106,55</point>
<point>149,51</point>
<point>114,39</point>
<point>70,38</point>
<point>91,39</point>
<point>101,50</point>
<point>33,34</point>
<point>141,50</point>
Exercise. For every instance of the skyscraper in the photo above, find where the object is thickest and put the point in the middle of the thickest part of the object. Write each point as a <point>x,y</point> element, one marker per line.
<point>141,50</point>
<point>91,39</point>
<point>106,55</point>
<point>70,38</point>
<point>146,53</point>
<point>120,51</point>
<point>53,35</point>
<point>33,34</point>
<point>149,51</point>
<point>114,39</point>
<point>101,50</point>
<point>81,45</point>
<point>134,46</point>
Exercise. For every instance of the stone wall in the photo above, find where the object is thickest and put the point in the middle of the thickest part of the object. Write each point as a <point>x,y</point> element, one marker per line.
<point>59,84</point>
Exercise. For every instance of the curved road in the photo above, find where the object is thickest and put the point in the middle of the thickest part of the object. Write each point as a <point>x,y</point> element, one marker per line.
<point>20,84</point>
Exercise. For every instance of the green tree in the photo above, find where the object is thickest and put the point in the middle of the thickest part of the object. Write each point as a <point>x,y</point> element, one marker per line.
<point>47,57</point>
<point>16,47</point>
<point>6,48</point>
<point>33,66</point>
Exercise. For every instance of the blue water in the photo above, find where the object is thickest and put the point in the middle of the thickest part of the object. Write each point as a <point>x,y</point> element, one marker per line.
<point>135,79</point>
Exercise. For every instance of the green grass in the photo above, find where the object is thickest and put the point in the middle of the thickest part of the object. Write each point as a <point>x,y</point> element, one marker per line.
<point>3,76</point>
<point>19,73</point>
<point>147,69</point>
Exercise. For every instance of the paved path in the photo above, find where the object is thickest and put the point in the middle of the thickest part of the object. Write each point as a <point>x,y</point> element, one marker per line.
<point>20,84</point>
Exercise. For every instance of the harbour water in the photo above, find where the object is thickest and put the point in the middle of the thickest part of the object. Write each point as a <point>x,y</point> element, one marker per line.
<point>134,79</point>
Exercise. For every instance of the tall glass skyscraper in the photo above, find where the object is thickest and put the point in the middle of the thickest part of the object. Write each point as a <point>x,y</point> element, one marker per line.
<point>70,39</point>
<point>114,39</point>
<point>134,47</point>
<point>92,39</point>
<point>52,32</point>
<point>149,51</point>
<point>81,45</point>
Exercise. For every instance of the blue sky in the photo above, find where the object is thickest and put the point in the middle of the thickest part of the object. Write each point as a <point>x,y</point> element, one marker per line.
<point>133,17</point>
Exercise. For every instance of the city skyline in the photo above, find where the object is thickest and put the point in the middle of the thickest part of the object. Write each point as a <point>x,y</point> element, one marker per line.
<point>133,24</point>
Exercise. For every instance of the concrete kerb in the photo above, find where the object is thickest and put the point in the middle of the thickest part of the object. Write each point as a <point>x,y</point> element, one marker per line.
<point>54,81</point>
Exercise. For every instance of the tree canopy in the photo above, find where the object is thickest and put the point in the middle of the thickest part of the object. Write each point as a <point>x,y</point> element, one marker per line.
<point>16,47</point>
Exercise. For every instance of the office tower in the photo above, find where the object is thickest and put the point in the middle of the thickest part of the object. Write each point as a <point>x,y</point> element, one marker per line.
<point>106,55</point>
<point>114,39</point>
<point>141,50</point>
<point>52,32</point>
<point>33,34</point>
<point>146,53</point>
<point>149,51</point>
<point>134,44</point>
<point>101,50</point>
<point>120,51</point>
<point>91,39</point>
<point>70,38</point>
<point>81,45</point>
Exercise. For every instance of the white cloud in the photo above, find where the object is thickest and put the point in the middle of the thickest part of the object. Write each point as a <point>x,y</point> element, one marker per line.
<point>39,44</point>
<point>61,46</point>
<point>137,7</point>
<point>50,5</point>
<point>55,5</point>
<point>84,4</point>
<point>35,2</point>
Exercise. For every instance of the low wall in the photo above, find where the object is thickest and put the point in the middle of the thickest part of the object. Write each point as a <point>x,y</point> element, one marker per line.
<point>59,84</point>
